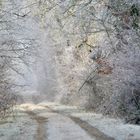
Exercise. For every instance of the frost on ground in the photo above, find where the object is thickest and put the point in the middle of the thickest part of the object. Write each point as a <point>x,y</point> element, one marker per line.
<point>53,121</point>
<point>18,128</point>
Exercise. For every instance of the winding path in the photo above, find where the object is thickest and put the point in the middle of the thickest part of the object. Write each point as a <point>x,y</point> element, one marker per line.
<point>61,126</point>
<point>51,121</point>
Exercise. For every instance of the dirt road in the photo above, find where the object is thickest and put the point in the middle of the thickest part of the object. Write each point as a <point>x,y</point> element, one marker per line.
<point>50,121</point>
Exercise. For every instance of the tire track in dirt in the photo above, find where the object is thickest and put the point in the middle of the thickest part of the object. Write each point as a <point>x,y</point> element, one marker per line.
<point>41,130</point>
<point>92,131</point>
<point>89,129</point>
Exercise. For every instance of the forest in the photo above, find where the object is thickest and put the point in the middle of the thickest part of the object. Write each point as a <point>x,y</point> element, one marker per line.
<point>72,61</point>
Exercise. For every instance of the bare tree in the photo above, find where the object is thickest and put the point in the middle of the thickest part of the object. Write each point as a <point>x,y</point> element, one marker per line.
<point>114,77</point>
<point>16,52</point>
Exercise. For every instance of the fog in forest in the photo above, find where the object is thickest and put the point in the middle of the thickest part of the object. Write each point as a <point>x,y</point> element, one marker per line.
<point>73,61</point>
